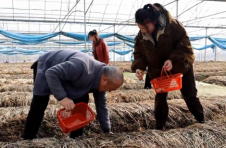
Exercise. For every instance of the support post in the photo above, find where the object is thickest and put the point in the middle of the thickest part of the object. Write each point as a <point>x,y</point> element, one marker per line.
<point>85,22</point>
<point>124,51</point>
<point>177,9</point>
<point>60,22</point>
<point>215,58</point>
<point>205,46</point>
<point>59,37</point>
<point>114,45</point>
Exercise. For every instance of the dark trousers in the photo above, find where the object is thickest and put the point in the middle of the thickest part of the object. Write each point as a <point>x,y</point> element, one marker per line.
<point>37,110</point>
<point>189,93</point>
<point>147,84</point>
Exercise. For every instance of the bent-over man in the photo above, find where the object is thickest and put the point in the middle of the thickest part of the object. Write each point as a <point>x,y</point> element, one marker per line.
<point>70,76</point>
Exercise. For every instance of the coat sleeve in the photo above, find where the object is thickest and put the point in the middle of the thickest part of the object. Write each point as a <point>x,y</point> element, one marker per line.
<point>94,55</point>
<point>66,71</point>
<point>105,52</point>
<point>102,111</point>
<point>139,58</point>
<point>182,56</point>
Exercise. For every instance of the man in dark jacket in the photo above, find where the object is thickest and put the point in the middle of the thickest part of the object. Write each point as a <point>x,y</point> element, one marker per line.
<point>70,75</point>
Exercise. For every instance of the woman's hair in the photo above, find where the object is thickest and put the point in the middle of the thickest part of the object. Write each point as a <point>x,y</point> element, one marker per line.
<point>93,33</point>
<point>148,13</point>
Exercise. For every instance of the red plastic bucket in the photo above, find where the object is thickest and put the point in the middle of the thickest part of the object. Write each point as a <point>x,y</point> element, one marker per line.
<point>76,119</point>
<point>167,83</point>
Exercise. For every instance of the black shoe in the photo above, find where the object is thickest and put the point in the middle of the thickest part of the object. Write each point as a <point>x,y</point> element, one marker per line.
<point>77,133</point>
<point>25,137</point>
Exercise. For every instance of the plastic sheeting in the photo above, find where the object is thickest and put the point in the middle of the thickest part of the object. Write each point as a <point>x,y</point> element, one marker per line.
<point>24,39</point>
<point>130,45</point>
<point>28,43</point>
<point>131,58</point>
<point>81,36</point>
<point>220,42</point>
<point>120,52</point>
<point>205,47</point>
<point>28,38</point>
<point>196,48</point>
<point>195,38</point>
<point>113,43</point>
<point>125,38</point>
<point>83,42</point>
<point>69,43</point>
<point>14,51</point>
<point>83,50</point>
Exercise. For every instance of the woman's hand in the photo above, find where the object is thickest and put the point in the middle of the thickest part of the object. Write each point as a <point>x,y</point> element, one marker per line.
<point>168,65</point>
<point>140,74</point>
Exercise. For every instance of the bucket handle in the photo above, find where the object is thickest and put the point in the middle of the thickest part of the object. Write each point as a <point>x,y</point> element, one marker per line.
<point>164,71</point>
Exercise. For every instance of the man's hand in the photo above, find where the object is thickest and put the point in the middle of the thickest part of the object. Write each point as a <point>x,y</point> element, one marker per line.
<point>68,104</point>
<point>140,74</point>
<point>110,133</point>
<point>168,65</point>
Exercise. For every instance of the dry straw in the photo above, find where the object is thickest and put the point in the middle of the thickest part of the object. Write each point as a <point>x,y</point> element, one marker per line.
<point>125,66</point>
<point>125,117</point>
<point>16,76</point>
<point>23,98</point>
<point>209,135</point>
<point>201,76</point>
<point>218,80</point>
<point>17,88</point>
<point>17,81</point>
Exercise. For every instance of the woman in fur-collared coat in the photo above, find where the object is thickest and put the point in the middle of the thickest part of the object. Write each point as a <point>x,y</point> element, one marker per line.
<point>163,41</point>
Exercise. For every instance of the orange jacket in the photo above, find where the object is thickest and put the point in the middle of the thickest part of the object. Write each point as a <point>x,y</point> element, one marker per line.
<point>101,51</point>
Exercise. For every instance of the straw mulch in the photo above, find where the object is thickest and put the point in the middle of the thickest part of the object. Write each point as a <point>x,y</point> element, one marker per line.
<point>198,64</point>
<point>14,85</point>
<point>14,99</point>
<point>17,81</point>
<point>218,80</point>
<point>128,83</point>
<point>125,117</point>
<point>129,80</point>
<point>16,76</point>
<point>17,88</point>
<point>129,96</point>
<point>200,76</point>
<point>24,68</point>
<point>127,86</point>
<point>203,68</point>
<point>15,70</point>
<point>209,135</point>
<point>210,69</point>
<point>23,98</point>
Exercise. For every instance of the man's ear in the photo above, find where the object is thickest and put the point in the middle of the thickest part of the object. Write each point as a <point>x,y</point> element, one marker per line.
<point>105,78</point>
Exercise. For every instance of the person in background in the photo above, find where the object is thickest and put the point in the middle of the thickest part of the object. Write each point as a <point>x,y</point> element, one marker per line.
<point>70,76</point>
<point>100,48</point>
<point>163,42</point>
